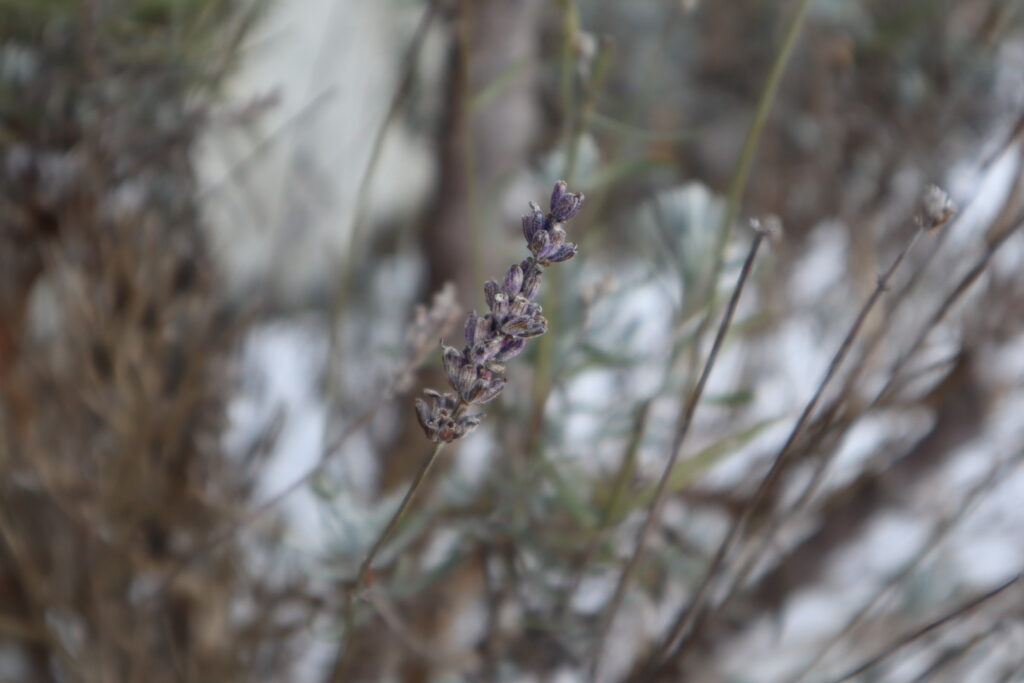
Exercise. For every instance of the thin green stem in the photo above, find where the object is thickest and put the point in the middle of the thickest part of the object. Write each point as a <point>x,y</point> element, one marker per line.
<point>403,507</point>
<point>552,296</point>
<point>467,141</point>
<point>744,164</point>
<point>546,377</point>
<point>682,429</point>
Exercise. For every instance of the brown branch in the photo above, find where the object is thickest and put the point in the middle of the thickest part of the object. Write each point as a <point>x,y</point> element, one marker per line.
<point>681,627</point>
<point>682,429</point>
<point>918,633</point>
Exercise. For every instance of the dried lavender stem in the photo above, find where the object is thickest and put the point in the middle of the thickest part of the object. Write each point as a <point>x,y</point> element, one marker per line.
<point>680,629</point>
<point>417,481</point>
<point>941,213</point>
<point>909,638</point>
<point>686,419</point>
<point>745,163</point>
<point>965,283</point>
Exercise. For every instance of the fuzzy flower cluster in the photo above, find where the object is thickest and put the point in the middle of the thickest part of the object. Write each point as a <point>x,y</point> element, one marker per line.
<point>477,373</point>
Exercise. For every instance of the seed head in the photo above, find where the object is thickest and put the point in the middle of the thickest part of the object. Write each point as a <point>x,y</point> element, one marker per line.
<point>936,208</point>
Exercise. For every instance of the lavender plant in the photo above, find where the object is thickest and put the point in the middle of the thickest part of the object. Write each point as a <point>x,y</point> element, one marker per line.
<point>477,373</point>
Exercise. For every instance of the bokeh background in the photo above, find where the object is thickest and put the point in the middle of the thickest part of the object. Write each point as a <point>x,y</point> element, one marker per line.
<point>232,234</point>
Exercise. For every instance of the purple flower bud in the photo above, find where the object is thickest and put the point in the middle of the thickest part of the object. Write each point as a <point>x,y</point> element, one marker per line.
<point>525,326</point>
<point>491,370</point>
<point>472,320</point>
<point>491,288</point>
<point>486,350</point>
<point>519,306</point>
<point>513,280</point>
<point>485,390</point>
<point>540,243</point>
<point>453,362</point>
<point>440,419</point>
<point>484,328</point>
<point>557,234</point>
<point>466,380</point>
<point>423,415</point>
<point>500,307</point>
<point>468,423</point>
<point>565,205</point>
<point>563,253</point>
<point>510,348</point>
<point>558,194</point>
<point>531,284</point>
<point>534,222</point>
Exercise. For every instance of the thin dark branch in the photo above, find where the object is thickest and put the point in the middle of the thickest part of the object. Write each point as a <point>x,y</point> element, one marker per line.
<point>939,533</point>
<point>947,304</point>
<point>896,379</point>
<point>417,481</point>
<point>914,635</point>
<point>680,628</point>
<point>686,419</point>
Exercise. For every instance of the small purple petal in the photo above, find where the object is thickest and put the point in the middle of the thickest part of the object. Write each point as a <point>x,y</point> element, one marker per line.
<point>513,280</point>
<point>470,331</point>
<point>484,328</point>
<point>500,306</point>
<point>491,289</point>
<point>519,306</point>
<point>466,380</point>
<point>557,236</point>
<point>558,194</point>
<point>531,284</point>
<point>452,361</point>
<point>485,391</point>
<point>510,348</point>
<point>540,242</point>
<point>564,253</point>
<point>423,416</point>
<point>568,206</point>
<point>525,326</point>
<point>534,222</point>
<point>485,351</point>
<point>468,423</point>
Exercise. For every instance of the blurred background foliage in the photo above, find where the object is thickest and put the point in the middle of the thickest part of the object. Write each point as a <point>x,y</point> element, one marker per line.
<point>227,229</point>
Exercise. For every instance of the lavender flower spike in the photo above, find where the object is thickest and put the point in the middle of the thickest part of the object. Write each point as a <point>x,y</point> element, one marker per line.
<point>475,373</point>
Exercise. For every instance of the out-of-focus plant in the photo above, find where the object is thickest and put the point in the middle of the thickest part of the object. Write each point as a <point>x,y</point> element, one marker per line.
<point>116,355</point>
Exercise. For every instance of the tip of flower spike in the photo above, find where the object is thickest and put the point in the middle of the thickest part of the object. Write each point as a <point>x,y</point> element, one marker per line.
<point>564,204</point>
<point>559,191</point>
